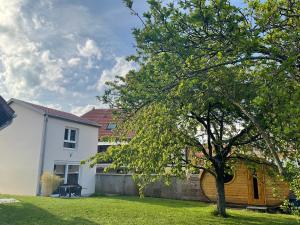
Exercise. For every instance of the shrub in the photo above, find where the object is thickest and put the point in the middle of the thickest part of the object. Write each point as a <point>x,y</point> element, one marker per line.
<point>290,208</point>
<point>49,183</point>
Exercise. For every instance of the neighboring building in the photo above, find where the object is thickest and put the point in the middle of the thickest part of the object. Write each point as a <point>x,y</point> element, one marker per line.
<point>6,114</point>
<point>105,118</point>
<point>42,139</point>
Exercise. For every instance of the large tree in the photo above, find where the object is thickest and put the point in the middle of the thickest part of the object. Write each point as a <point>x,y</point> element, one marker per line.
<point>206,77</point>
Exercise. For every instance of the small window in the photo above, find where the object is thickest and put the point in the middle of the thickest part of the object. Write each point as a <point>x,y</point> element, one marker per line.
<point>228,175</point>
<point>103,148</point>
<point>70,138</point>
<point>59,170</point>
<point>99,170</point>
<point>255,188</point>
<point>255,185</point>
<point>111,126</point>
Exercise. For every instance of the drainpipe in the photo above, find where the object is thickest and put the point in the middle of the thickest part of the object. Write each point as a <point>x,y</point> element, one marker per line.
<point>42,155</point>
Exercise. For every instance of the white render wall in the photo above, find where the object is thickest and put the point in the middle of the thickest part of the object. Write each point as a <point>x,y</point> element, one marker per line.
<point>20,148</point>
<point>86,147</point>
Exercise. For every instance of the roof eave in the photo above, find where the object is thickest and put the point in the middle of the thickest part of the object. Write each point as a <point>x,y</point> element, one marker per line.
<point>74,121</point>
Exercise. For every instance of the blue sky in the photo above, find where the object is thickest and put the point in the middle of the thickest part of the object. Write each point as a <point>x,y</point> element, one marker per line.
<point>59,53</point>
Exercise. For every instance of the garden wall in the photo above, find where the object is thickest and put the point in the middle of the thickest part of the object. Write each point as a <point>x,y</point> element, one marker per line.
<point>123,184</point>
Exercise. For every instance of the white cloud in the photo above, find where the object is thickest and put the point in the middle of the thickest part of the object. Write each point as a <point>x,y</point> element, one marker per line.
<point>38,47</point>
<point>80,110</point>
<point>121,68</point>
<point>51,51</point>
<point>74,61</point>
<point>89,49</point>
<point>26,67</point>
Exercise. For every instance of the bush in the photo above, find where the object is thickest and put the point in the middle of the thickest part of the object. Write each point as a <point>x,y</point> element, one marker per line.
<point>49,183</point>
<point>290,208</point>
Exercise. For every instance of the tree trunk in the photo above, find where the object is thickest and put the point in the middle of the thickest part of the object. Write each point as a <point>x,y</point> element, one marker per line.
<point>221,203</point>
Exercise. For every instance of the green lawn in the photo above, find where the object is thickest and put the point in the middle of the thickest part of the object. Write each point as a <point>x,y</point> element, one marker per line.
<point>125,210</point>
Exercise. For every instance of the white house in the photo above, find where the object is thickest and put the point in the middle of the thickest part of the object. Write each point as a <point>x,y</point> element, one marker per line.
<point>42,139</point>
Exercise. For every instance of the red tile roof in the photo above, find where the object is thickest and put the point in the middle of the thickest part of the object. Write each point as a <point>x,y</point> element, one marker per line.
<point>58,114</point>
<point>102,117</point>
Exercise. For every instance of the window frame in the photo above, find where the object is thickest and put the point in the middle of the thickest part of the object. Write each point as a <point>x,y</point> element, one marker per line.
<point>70,129</point>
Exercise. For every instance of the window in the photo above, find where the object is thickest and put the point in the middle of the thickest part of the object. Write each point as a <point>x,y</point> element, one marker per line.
<point>103,148</point>
<point>68,173</point>
<point>70,138</point>
<point>111,126</point>
<point>255,185</point>
<point>228,175</point>
<point>59,170</point>
<point>73,174</point>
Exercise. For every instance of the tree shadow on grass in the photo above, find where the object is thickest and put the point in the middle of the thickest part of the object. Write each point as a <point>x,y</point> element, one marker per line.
<point>236,216</point>
<point>261,218</point>
<point>26,213</point>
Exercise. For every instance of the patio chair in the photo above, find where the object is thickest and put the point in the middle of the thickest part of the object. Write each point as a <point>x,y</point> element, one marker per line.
<point>62,191</point>
<point>76,190</point>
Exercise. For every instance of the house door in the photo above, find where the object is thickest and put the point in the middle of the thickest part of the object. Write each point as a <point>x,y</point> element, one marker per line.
<point>256,187</point>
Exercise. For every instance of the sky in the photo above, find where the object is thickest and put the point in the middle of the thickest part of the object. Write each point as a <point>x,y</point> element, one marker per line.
<point>60,53</point>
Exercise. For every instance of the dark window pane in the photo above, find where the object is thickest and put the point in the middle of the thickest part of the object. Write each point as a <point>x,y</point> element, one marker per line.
<point>228,177</point>
<point>59,169</point>
<point>111,126</point>
<point>228,174</point>
<point>73,135</point>
<point>73,178</point>
<point>73,169</point>
<point>255,188</point>
<point>103,148</point>
<point>99,170</point>
<point>69,145</point>
<point>66,134</point>
<point>121,171</point>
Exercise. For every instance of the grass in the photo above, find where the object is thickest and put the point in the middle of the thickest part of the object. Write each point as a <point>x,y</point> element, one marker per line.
<point>126,210</point>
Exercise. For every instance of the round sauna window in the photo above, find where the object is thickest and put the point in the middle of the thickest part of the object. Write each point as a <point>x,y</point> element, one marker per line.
<point>228,176</point>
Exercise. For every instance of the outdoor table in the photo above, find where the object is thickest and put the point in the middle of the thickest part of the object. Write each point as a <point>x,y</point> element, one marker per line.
<point>68,189</point>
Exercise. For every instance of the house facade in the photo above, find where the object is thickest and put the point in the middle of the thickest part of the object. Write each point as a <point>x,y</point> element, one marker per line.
<point>42,139</point>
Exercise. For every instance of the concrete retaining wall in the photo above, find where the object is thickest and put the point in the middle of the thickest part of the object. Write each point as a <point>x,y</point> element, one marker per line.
<point>121,184</point>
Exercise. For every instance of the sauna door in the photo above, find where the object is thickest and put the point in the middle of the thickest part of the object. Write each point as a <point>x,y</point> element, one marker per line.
<point>256,188</point>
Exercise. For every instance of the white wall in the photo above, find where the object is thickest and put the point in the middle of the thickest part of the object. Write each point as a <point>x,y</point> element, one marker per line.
<point>86,147</point>
<point>20,148</point>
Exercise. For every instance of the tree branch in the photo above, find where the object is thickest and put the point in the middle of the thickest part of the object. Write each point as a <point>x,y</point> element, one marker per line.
<point>202,121</point>
<point>199,167</point>
<point>264,135</point>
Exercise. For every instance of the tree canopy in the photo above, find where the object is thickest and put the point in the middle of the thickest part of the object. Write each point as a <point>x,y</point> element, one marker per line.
<point>215,79</point>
